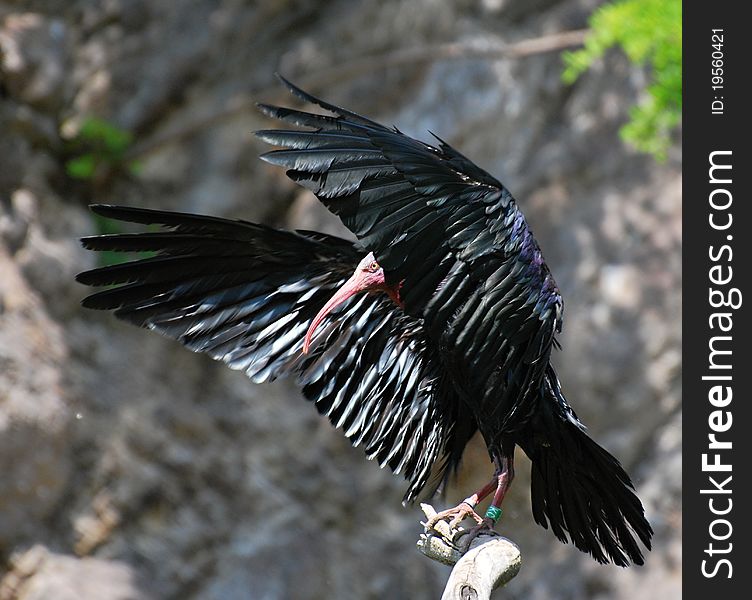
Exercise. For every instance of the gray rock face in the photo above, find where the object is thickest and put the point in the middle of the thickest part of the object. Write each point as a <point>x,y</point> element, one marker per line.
<point>135,469</point>
<point>39,574</point>
<point>34,418</point>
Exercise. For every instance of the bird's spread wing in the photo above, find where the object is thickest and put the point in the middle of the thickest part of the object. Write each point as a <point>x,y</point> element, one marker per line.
<point>245,294</point>
<point>445,231</point>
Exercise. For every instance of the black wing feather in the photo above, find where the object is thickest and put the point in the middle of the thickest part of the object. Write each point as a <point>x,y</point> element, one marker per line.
<point>417,207</point>
<point>245,294</point>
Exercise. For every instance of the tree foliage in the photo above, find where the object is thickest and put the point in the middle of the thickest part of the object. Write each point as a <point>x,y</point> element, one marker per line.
<point>650,34</point>
<point>98,145</point>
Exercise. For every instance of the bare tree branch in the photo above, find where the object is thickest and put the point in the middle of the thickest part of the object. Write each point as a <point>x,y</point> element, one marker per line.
<point>366,65</point>
<point>490,562</point>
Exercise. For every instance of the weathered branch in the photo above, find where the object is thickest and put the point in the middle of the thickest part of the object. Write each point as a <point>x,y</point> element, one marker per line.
<point>490,562</point>
<point>368,64</point>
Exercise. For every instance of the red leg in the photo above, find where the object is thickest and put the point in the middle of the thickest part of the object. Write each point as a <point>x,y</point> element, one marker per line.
<point>504,482</point>
<point>500,483</point>
<point>480,494</point>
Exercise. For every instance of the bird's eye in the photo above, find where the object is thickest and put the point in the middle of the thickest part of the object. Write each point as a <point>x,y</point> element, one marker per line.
<point>373,267</point>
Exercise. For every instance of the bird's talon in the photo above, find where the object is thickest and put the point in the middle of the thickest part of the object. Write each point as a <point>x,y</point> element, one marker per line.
<point>461,517</point>
<point>454,516</point>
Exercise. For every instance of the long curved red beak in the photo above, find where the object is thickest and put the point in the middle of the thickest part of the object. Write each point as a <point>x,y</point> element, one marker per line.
<point>352,286</point>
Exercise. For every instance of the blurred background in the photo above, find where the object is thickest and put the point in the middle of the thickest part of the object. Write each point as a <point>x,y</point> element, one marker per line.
<point>134,469</point>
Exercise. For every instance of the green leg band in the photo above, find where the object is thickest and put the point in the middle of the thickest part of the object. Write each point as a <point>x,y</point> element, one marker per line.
<point>493,513</point>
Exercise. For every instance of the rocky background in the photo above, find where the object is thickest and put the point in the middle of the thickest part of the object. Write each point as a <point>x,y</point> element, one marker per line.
<point>133,469</point>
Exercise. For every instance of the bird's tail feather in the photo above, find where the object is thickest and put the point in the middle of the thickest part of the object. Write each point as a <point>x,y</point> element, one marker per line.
<point>580,489</point>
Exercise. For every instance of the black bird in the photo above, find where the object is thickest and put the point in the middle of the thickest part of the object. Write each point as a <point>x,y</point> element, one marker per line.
<point>439,322</point>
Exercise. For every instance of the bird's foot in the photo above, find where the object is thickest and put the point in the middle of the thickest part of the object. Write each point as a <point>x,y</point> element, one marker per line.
<point>454,516</point>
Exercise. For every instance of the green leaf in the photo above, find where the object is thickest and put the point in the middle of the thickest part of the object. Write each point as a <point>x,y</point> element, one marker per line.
<point>82,167</point>
<point>649,32</point>
<point>114,139</point>
<point>98,143</point>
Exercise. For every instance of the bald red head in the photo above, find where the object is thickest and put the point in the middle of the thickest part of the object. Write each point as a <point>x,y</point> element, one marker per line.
<point>368,276</point>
